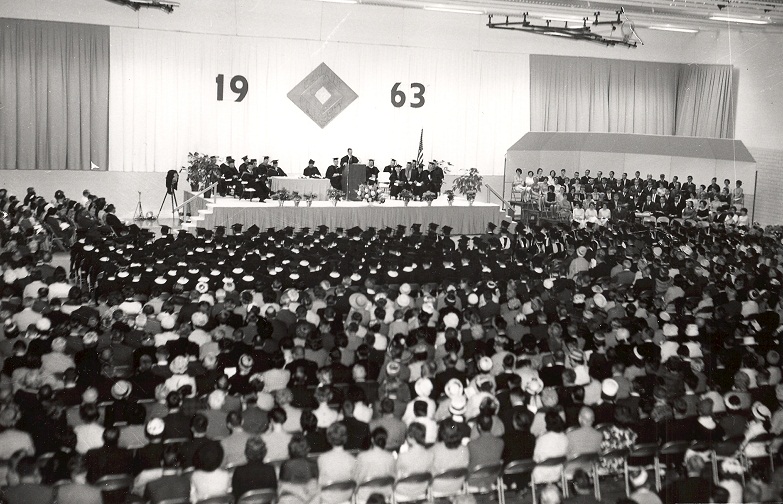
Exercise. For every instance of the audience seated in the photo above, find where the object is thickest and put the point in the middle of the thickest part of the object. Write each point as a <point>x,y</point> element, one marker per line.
<point>223,354</point>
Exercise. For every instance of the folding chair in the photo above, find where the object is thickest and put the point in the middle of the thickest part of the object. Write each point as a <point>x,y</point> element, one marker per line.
<point>662,221</point>
<point>589,460</point>
<point>415,480</point>
<point>550,462</point>
<point>638,457</point>
<point>222,499</point>
<point>383,485</point>
<point>482,478</point>
<point>455,477</point>
<point>766,439</point>
<point>115,487</point>
<point>670,454</point>
<point>515,468</point>
<point>333,492</point>
<point>262,496</point>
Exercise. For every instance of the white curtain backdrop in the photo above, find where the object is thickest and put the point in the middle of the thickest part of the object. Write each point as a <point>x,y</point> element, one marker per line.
<point>163,102</point>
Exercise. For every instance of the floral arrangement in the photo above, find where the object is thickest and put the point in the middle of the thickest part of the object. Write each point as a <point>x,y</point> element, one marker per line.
<point>406,195</point>
<point>282,195</point>
<point>310,197</point>
<point>449,195</point>
<point>469,184</point>
<point>369,193</point>
<point>202,171</point>
<point>429,197</point>
<point>334,194</point>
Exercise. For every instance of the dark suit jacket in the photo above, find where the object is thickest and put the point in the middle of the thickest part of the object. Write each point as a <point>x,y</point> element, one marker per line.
<point>177,425</point>
<point>167,487</point>
<point>253,476</point>
<point>105,460</point>
<point>358,434</point>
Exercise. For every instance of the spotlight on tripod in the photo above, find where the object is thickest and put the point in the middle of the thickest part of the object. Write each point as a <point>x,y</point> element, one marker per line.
<point>172,180</point>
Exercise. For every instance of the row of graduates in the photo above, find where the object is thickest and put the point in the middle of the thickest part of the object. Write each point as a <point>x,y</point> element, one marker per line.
<point>291,259</point>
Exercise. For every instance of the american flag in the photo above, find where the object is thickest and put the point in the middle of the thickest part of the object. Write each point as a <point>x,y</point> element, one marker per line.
<point>420,155</point>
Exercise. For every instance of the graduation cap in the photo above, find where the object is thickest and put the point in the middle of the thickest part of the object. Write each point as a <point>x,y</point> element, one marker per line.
<point>339,230</point>
<point>244,158</point>
<point>220,231</point>
<point>229,159</point>
<point>164,229</point>
<point>322,229</point>
<point>271,230</point>
<point>447,230</point>
<point>274,161</point>
<point>433,227</point>
<point>416,228</point>
<point>236,228</point>
<point>200,231</point>
<point>304,231</point>
<point>252,231</point>
<point>401,229</point>
<point>335,159</point>
<point>354,231</point>
<point>289,230</point>
<point>491,226</point>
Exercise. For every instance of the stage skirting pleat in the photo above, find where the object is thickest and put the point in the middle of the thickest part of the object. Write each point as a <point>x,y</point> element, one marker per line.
<point>465,219</point>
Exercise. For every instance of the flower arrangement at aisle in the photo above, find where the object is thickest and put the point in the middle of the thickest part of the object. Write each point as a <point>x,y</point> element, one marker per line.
<point>429,197</point>
<point>309,198</point>
<point>449,195</point>
<point>334,195</point>
<point>282,195</point>
<point>406,196</point>
<point>369,193</point>
<point>202,171</point>
<point>296,197</point>
<point>469,184</point>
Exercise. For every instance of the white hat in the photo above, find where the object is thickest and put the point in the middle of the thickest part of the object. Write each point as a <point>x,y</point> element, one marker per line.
<point>58,344</point>
<point>90,338</point>
<point>358,301</point>
<point>534,386</point>
<point>609,387</point>
<point>202,287</point>
<point>155,427</point>
<point>599,300</point>
<point>639,478</point>
<point>199,319</point>
<point>121,389</point>
<point>403,300</point>
<point>179,365</point>
<point>43,324</point>
<point>473,298</point>
<point>549,283</point>
<point>405,288</point>
<point>623,334</point>
<point>423,387</point>
<point>454,388</point>
<point>692,330</point>
<point>246,361</point>
<point>167,321</point>
<point>670,330</point>
<point>581,251</point>
<point>458,405</point>
<point>761,411</point>
<point>579,298</point>
<point>208,298</point>
<point>485,364</point>
<point>451,319</point>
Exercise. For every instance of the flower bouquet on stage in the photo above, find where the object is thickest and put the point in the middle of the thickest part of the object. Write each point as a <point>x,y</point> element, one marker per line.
<point>370,194</point>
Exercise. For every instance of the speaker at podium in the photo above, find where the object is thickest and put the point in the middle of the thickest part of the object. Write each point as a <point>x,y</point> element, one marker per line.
<point>353,176</point>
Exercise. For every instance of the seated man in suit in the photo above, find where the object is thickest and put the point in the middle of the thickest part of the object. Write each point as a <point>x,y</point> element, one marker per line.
<point>171,484</point>
<point>108,459</point>
<point>255,474</point>
<point>335,174</point>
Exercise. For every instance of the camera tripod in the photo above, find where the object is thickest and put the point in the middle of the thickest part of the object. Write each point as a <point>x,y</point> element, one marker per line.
<point>172,195</point>
<point>138,214</point>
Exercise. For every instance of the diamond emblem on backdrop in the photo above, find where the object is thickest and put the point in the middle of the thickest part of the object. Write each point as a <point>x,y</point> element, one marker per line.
<point>322,95</point>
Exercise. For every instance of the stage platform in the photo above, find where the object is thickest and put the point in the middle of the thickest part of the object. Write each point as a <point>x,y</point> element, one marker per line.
<point>225,211</point>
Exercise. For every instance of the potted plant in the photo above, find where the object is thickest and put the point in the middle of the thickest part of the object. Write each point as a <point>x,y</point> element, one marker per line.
<point>296,197</point>
<point>202,171</point>
<point>334,195</point>
<point>429,197</point>
<point>406,196</point>
<point>281,196</point>
<point>309,198</point>
<point>449,196</point>
<point>469,184</point>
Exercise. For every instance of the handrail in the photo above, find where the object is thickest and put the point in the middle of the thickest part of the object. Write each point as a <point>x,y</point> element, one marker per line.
<point>506,204</point>
<point>196,195</point>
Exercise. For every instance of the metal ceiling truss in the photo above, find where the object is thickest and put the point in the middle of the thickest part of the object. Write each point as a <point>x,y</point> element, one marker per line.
<point>575,30</point>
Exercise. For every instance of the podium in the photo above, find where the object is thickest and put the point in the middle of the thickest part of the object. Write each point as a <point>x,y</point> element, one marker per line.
<point>353,176</point>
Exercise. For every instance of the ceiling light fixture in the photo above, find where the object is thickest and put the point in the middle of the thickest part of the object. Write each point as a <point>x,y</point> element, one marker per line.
<point>456,11</point>
<point>673,29</point>
<point>732,19</point>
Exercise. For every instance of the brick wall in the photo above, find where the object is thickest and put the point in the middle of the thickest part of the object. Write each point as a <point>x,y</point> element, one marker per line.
<point>769,187</point>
